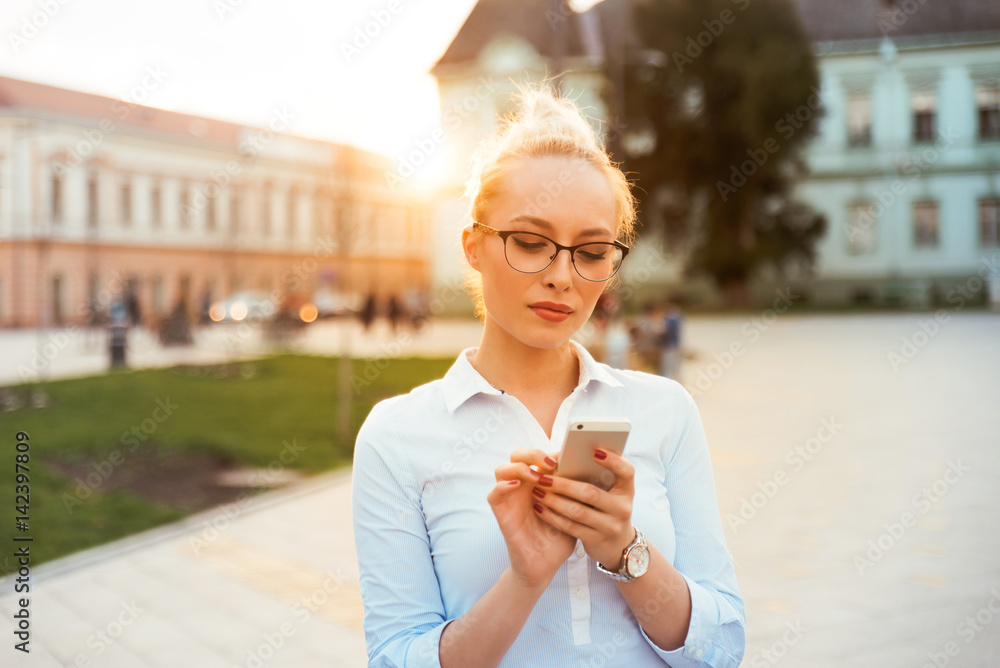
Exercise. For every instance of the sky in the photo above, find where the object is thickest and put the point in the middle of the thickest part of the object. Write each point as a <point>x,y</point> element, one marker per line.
<point>349,71</point>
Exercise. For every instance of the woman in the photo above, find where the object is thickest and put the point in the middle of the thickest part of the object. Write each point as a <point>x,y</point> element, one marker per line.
<point>471,551</point>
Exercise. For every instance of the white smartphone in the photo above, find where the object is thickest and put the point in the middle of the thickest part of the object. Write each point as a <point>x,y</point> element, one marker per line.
<point>576,460</point>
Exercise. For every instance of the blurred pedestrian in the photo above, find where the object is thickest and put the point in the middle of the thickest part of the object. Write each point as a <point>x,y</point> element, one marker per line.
<point>395,312</point>
<point>369,311</point>
<point>670,360</point>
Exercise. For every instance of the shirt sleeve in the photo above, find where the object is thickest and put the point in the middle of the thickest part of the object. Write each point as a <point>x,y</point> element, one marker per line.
<point>716,636</point>
<point>404,613</point>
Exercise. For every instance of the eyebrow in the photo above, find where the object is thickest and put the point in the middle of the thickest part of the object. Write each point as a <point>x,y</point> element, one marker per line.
<point>541,222</point>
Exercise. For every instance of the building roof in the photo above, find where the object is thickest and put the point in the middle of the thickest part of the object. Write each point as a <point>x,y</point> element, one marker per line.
<point>842,20</point>
<point>550,26</point>
<point>16,94</point>
<point>824,21</point>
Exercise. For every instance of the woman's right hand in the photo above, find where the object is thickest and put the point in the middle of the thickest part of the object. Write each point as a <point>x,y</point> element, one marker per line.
<point>536,548</point>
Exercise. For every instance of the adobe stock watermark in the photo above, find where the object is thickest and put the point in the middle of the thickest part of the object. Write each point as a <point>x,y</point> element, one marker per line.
<point>424,148</point>
<point>378,20</point>
<point>105,637</point>
<point>153,76</point>
<point>928,328</point>
<point>923,501</point>
<point>796,458</point>
<point>786,126</point>
<point>968,629</point>
<point>885,197</point>
<point>770,656</point>
<point>103,469</point>
<point>33,24</point>
<point>303,610</point>
<point>753,329</point>
<point>212,528</point>
<point>900,14</point>
<point>696,44</point>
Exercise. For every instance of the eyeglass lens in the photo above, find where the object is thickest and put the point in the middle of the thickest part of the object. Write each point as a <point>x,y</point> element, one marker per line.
<point>531,253</point>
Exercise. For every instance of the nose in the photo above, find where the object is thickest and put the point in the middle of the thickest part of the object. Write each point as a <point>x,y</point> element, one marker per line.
<point>559,274</point>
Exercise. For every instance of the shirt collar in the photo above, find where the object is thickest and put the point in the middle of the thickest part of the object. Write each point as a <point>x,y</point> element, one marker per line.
<point>463,381</point>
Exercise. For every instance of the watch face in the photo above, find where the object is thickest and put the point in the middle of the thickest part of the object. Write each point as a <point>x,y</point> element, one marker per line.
<point>638,560</point>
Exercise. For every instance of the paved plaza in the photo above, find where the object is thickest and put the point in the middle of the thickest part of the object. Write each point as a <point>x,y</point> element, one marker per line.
<point>857,464</point>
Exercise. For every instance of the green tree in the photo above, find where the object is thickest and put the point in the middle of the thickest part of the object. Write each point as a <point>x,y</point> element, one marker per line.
<point>718,97</point>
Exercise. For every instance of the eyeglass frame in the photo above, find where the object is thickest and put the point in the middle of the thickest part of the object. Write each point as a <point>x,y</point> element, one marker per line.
<point>504,234</point>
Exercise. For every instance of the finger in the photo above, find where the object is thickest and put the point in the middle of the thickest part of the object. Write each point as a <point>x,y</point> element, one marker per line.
<point>586,516</point>
<point>534,457</point>
<point>501,490</point>
<point>515,471</point>
<point>622,468</point>
<point>561,522</point>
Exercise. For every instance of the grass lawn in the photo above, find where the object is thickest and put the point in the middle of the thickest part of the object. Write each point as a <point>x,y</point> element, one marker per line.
<point>104,424</point>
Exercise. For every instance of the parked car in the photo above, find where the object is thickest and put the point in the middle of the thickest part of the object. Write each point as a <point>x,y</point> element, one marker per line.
<point>331,304</point>
<point>253,305</point>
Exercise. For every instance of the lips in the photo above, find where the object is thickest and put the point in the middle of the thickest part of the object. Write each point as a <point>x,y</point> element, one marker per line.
<point>550,311</point>
<point>551,306</point>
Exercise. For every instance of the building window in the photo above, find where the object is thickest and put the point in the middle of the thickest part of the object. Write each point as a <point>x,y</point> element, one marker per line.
<point>92,201</point>
<point>184,206</point>
<point>234,211</point>
<point>925,224</point>
<point>862,228</point>
<point>293,197</point>
<point>988,104</point>
<point>126,203</point>
<point>859,120</point>
<point>924,110</point>
<point>265,211</point>
<point>156,206</point>
<point>57,198</point>
<point>989,222</point>
<point>210,206</point>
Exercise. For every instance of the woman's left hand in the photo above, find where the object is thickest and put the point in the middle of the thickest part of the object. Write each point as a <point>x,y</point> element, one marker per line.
<point>602,520</point>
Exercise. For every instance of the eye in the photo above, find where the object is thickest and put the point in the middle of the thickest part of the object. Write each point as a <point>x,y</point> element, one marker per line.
<point>528,244</point>
<point>592,256</point>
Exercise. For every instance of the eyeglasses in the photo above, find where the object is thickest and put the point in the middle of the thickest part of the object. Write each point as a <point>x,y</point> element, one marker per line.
<point>530,253</point>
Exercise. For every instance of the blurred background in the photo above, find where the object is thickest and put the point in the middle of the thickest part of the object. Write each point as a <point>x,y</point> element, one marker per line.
<point>229,228</point>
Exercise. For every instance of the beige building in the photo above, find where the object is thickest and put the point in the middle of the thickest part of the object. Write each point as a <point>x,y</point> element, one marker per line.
<point>99,196</point>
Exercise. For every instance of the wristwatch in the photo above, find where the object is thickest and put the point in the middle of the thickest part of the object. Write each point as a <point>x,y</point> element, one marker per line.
<point>635,560</point>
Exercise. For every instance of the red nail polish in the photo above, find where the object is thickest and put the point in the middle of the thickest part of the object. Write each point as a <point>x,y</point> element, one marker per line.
<point>539,493</point>
<point>535,473</point>
<point>550,462</point>
<point>538,508</point>
<point>545,481</point>
<point>600,454</point>
<point>513,482</point>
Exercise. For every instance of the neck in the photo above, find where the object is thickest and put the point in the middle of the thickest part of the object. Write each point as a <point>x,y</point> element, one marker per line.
<point>519,369</point>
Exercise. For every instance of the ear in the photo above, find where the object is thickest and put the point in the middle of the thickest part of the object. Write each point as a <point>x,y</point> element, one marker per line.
<point>470,247</point>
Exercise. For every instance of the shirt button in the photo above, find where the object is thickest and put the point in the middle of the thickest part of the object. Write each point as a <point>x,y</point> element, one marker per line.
<point>579,594</point>
<point>580,551</point>
<point>699,654</point>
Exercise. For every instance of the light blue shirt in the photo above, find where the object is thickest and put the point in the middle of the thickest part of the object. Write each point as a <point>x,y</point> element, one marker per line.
<point>429,546</point>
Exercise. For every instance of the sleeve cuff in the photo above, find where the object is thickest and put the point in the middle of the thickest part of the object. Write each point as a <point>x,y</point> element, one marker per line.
<point>425,650</point>
<point>697,648</point>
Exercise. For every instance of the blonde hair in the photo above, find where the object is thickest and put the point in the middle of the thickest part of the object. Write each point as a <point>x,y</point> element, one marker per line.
<point>541,125</point>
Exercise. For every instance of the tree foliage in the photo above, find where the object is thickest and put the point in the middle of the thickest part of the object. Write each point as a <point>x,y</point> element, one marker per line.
<point>719,97</point>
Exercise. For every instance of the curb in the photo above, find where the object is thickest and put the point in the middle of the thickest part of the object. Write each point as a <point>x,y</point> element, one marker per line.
<point>82,559</point>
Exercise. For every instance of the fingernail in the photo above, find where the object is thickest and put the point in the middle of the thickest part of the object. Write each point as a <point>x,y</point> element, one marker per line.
<point>600,454</point>
<point>513,482</point>
<point>545,481</point>
<point>550,462</point>
<point>538,508</point>
<point>535,473</point>
<point>539,493</point>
